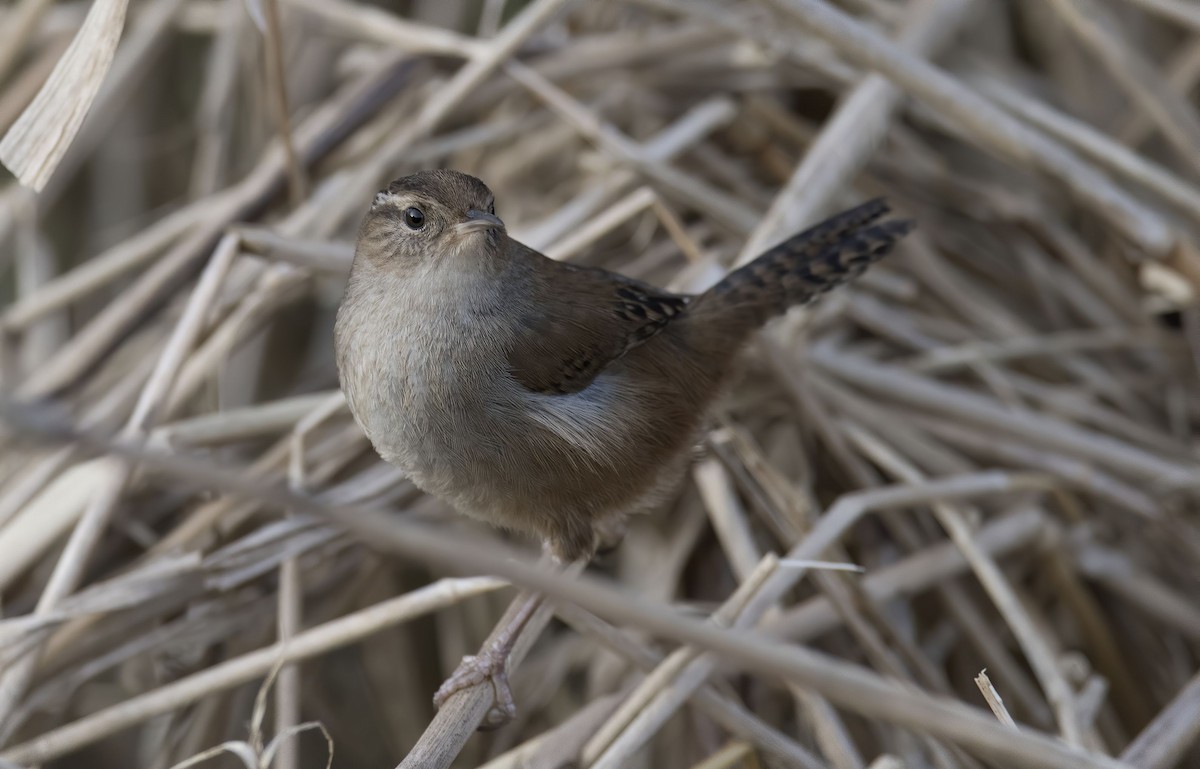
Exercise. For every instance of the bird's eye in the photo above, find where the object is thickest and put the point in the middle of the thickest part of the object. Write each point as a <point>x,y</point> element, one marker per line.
<point>414,218</point>
<point>492,207</point>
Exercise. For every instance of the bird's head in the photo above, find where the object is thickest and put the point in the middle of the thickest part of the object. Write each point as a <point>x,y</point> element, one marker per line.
<point>428,218</point>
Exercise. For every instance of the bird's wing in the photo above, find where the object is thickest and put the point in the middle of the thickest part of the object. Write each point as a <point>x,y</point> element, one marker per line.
<point>585,319</point>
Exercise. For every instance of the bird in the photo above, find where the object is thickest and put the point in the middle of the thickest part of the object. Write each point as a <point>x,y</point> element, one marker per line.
<point>541,396</point>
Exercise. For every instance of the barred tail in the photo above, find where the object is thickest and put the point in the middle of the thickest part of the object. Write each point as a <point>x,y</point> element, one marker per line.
<point>800,268</point>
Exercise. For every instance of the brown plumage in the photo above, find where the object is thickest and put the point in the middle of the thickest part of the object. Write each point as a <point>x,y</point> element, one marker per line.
<point>540,396</point>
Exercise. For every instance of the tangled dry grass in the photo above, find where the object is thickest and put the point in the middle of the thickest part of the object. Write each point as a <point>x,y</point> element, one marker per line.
<point>997,425</point>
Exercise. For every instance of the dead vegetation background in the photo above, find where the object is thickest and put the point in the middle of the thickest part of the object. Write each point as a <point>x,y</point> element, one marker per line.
<point>998,424</point>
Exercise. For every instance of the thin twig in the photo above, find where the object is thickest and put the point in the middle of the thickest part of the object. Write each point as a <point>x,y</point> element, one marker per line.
<point>993,699</point>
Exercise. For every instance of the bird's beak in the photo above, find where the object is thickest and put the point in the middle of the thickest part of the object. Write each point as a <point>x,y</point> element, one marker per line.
<point>478,221</point>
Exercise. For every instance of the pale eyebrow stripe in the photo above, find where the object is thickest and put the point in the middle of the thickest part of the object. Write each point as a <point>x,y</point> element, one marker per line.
<point>387,197</point>
<point>400,200</point>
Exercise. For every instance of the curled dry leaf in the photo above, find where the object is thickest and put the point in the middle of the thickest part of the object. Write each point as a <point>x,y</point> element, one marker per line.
<point>36,143</point>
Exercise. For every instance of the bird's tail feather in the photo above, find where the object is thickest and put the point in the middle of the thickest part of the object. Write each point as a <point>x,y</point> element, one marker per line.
<point>799,269</point>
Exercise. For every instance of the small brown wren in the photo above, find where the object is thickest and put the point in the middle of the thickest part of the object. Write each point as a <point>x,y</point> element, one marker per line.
<point>541,396</point>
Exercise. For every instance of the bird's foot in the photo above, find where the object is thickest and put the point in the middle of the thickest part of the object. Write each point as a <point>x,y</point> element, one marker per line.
<point>489,664</point>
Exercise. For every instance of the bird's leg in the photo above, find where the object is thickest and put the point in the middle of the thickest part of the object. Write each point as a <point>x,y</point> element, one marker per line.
<point>491,663</point>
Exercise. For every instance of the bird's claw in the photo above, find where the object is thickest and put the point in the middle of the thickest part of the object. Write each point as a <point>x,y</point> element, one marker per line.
<point>489,664</point>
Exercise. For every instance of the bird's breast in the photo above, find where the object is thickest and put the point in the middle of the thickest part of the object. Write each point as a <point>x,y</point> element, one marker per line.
<point>431,391</point>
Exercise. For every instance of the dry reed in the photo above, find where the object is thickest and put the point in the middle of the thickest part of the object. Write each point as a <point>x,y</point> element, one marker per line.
<point>981,455</point>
